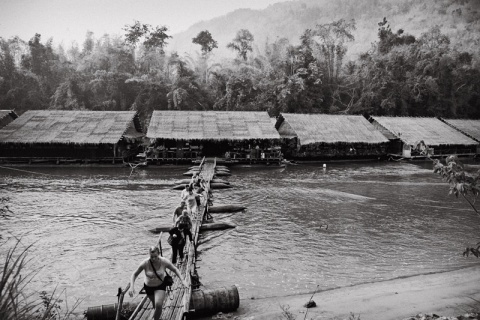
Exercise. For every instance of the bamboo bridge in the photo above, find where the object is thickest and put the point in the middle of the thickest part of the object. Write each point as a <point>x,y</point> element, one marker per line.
<point>177,304</point>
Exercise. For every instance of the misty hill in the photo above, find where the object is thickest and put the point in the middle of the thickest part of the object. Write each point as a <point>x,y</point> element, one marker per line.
<point>459,19</point>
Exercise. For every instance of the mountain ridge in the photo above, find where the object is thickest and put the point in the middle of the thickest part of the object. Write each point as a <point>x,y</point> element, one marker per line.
<point>459,19</point>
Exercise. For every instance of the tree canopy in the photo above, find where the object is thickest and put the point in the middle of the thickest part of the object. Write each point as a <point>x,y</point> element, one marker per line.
<point>205,40</point>
<point>242,43</point>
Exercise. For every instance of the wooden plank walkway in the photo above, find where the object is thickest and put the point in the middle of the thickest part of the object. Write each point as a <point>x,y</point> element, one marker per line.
<point>177,303</point>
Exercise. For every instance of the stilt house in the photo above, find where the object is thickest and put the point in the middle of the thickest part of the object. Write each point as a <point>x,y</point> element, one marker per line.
<point>70,136</point>
<point>323,136</point>
<point>7,116</point>
<point>237,136</point>
<point>470,128</point>
<point>436,136</point>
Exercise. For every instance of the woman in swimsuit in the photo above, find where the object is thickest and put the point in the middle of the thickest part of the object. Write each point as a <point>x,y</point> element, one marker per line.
<point>154,287</point>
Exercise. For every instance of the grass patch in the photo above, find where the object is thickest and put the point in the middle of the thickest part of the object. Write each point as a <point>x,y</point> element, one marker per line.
<point>17,301</point>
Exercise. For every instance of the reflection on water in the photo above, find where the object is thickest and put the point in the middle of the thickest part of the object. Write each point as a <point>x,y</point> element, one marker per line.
<point>385,220</point>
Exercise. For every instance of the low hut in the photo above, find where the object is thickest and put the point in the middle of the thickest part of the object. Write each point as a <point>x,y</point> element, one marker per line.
<point>436,136</point>
<point>323,136</point>
<point>470,128</point>
<point>59,135</point>
<point>236,136</point>
<point>7,116</point>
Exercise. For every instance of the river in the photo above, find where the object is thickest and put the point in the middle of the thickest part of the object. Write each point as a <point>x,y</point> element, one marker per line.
<point>304,227</point>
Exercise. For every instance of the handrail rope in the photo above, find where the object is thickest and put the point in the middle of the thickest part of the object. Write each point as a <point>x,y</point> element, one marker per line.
<point>46,174</point>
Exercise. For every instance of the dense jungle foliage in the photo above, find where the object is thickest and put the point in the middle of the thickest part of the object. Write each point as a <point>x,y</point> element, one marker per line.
<point>399,75</point>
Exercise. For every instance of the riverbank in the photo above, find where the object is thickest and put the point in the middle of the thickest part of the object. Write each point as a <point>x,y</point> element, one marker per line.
<point>450,293</point>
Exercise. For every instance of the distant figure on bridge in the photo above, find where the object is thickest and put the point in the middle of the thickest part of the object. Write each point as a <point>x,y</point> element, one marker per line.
<point>177,241</point>
<point>178,211</point>
<point>155,271</point>
<point>195,179</point>
<point>184,193</point>
<point>184,224</point>
<point>198,194</point>
<point>191,201</point>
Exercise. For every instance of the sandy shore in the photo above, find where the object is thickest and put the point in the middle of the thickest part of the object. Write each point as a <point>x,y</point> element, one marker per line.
<point>447,293</point>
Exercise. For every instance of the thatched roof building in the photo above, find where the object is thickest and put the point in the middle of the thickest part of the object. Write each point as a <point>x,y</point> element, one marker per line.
<point>211,125</point>
<point>76,127</point>
<point>7,116</point>
<point>470,128</point>
<point>326,128</point>
<point>324,136</point>
<point>431,130</point>
<point>186,135</point>
<point>68,134</point>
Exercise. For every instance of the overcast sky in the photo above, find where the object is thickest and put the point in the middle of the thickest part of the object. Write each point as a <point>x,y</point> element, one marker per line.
<point>69,20</point>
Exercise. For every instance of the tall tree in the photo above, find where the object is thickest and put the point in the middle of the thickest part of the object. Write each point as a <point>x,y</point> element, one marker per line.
<point>153,38</point>
<point>242,43</point>
<point>206,41</point>
<point>40,56</point>
<point>88,44</point>
<point>388,39</point>
<point>331,43</point>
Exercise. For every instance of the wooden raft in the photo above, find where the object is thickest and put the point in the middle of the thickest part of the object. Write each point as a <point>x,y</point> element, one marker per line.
<point>177,303</point>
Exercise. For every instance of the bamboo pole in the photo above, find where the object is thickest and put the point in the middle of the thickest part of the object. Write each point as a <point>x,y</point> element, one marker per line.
<point>120,302</point>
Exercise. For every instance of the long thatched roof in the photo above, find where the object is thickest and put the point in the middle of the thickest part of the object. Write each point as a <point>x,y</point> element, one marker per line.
<point>211,125</point>
<point>469,127</point>
<point>61,126</point>
<point>431,130</point>
<point>325,128</point>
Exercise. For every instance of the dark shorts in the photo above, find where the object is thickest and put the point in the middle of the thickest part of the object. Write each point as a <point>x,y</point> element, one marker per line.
<point>150,291</point>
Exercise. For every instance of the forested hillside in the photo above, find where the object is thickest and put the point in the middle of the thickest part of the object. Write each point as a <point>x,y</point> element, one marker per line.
<point>459,20</point>
<point>402,57</point>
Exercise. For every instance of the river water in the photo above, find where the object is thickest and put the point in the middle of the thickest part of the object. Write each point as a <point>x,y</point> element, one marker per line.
<point>89,226</point>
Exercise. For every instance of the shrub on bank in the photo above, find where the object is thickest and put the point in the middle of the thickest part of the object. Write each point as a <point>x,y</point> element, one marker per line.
<point>17,301</point>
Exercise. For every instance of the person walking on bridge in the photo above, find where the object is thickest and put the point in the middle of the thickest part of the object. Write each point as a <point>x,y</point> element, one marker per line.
<point>177,241</point>
<point>184,192</point>
<point>155,269</point>
<point>178,211</point>
<point>191,201</point>
<point>184,224</point>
